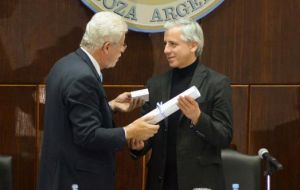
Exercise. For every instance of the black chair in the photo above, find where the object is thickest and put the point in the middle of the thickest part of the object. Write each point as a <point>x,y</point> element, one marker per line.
<point>5,172</point>
<point>242,169</point>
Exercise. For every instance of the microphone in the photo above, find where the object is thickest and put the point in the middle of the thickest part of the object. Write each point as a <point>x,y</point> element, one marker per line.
<point>265,155</point>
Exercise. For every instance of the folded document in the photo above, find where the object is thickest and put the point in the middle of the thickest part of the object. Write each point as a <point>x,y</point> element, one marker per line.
<point>164,110</point>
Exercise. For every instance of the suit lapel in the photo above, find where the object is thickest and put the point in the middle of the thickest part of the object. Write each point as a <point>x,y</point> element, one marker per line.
<point>199,75</point>
<point>87,60</point>
<point>197,80</point>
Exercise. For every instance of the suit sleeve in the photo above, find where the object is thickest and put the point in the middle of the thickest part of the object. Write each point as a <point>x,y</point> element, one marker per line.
<point>84,101</point>
<point>216,127</point>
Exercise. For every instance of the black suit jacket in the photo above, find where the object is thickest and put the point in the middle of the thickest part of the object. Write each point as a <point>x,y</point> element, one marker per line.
<point>80,138</point>
<point>198,148</point>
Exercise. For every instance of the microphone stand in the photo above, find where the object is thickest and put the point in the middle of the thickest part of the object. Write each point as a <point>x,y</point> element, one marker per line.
<point>270,169</point>
<point>272,165</point>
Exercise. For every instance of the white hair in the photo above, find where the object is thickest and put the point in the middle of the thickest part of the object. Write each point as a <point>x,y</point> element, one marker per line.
<point>103,26</point>
<point>191,32</point>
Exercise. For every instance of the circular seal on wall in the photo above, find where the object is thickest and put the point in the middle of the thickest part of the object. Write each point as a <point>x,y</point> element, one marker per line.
<point>150,15</point>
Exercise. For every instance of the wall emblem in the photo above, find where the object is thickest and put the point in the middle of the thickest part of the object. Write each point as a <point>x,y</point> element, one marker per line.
<point>150,15</point>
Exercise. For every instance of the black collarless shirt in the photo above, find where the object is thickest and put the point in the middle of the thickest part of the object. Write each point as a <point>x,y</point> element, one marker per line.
<point>181,78</point>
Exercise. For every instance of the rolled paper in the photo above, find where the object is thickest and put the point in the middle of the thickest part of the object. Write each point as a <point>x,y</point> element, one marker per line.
<point>162,111</point>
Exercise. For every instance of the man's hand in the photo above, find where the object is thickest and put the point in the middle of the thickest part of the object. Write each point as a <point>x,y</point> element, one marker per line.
<point>135,144</point>
<point>189,108</point>
<point>124,103</point>
<point>140,129</point>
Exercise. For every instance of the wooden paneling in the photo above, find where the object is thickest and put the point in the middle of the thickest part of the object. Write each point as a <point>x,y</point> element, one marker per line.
<point>129,172</point>
<point>275,125</point>
<point>18,133</point>
<point>251,42</point>
<point>34,34</point>
<point>254,42</point>
<point>240,94</point>
<point>40,122</point>
<point>137,63</point>
<point>251,46</point>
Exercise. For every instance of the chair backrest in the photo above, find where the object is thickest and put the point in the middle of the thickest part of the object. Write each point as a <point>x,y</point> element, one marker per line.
<point>5,172</point>
<point>242,169</point>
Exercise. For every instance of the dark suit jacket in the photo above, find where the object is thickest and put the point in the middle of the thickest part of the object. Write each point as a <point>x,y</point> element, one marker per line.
<point>80,138</point>
<point>198,147</point>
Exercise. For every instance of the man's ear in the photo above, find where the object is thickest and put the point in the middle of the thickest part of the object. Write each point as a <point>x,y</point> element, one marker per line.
<point>105,47</point>
<point>193,46</point>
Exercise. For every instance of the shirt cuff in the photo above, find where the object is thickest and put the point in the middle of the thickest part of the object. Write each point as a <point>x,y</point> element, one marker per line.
<point>125,133</point>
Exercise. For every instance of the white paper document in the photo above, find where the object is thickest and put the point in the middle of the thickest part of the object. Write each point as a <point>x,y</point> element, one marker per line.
<point>143,94</point>
<point>164,110</point>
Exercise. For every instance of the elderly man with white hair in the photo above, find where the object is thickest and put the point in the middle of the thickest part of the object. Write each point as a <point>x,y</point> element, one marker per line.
<point>80,137</point>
